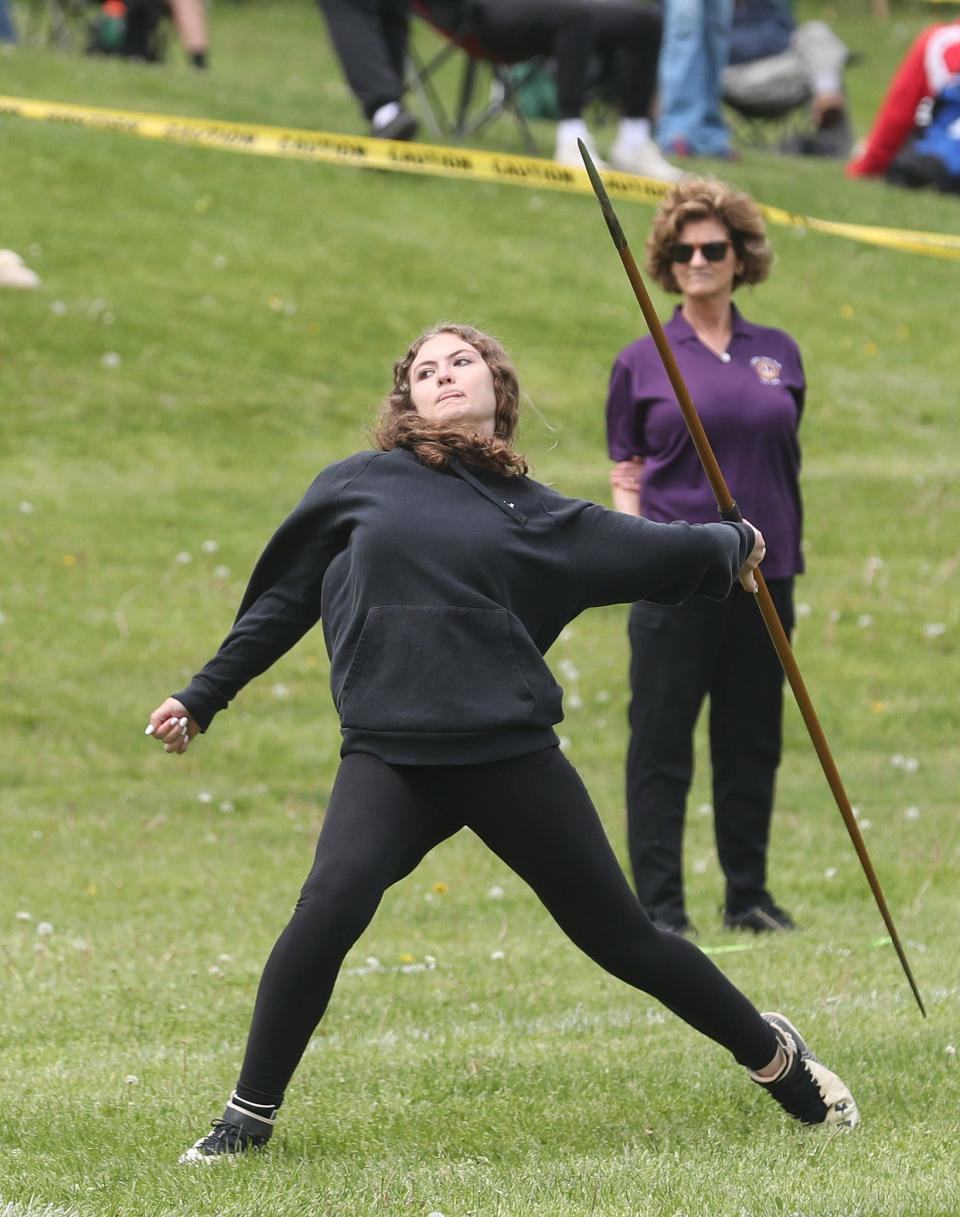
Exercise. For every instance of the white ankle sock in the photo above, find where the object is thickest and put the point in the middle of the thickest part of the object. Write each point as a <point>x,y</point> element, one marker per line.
<point>571,129</point>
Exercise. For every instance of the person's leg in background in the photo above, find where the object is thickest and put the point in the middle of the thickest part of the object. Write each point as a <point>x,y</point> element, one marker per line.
<point>824,56</point>
<point>8,31</point>
<point>673,653</point>
<point>190,18</point>
<point>628,35</point>
<point>692,57</point>
<point>746,728</point>
<point>714,138</point>
<point>517,30</point>
<point>370,39</point>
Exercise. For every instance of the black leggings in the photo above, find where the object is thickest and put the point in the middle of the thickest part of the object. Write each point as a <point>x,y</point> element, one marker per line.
<point>535,814</point>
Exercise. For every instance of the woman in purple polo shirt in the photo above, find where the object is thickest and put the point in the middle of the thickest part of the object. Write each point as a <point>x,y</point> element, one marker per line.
<point>748,384</point>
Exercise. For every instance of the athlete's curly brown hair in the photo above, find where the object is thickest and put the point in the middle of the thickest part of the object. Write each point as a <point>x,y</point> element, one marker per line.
<point>400,426</point>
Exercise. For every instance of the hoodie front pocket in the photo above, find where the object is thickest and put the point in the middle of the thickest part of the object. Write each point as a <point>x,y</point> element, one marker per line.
<point>439,669</point>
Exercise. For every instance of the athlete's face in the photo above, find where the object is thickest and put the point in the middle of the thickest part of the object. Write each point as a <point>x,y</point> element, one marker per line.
<point>450,382</point>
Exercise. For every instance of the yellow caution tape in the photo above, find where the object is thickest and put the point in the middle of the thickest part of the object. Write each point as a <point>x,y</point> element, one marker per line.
<point>431,159</point>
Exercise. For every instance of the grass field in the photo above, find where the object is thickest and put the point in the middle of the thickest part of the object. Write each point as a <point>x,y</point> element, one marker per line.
<point>211,330</point>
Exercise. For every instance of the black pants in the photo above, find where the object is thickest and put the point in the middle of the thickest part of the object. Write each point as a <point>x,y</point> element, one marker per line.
<point>535,814</point>
<point>571,31</point>
<point>679,656</point>
<point>370,39</point>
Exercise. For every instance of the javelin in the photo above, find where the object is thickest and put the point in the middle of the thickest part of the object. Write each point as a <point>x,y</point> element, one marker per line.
<point>730,511</point>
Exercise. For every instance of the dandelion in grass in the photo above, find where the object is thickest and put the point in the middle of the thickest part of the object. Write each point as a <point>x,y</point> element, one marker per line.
<point>846,311</point>
<point>878,707</point>
<point>407,958</point>
<point>440,888</point>
<point>69,559</point>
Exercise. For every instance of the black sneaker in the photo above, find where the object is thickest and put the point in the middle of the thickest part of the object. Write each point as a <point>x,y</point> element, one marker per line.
<point>807,1089</point>
<point>766,918</point>
<point>237,1132</point>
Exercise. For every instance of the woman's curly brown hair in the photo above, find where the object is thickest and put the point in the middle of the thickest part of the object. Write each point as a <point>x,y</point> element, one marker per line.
<point>400,426</point>
<point>708,199</point>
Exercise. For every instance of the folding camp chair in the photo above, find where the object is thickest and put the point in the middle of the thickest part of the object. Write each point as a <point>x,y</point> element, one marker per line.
<point>471,112</point>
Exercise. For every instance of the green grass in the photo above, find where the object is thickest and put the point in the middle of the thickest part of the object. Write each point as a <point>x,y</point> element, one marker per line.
<point>255,307</point>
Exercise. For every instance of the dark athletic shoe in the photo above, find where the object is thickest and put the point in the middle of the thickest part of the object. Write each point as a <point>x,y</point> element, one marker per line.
<point>807,1089</point>
<point>236,1133</point>
<point>766,918</point>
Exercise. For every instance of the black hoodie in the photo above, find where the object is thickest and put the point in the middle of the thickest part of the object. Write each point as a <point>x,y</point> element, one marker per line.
<point>440,591</point>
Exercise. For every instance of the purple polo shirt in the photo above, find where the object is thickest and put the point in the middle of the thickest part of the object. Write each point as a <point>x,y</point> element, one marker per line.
<point>750,404</point>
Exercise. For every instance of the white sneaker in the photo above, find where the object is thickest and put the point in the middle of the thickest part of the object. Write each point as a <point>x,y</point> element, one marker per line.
<point>645,160</point>
<point>567,152</point>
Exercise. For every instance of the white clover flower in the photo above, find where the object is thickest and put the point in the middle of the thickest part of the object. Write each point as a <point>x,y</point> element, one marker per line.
<point>564,742</point>
<point>23,915</point>
<point>897,760</point>
<point>184,557</point>
<point>495,892</point>
<point>25,507</point>
<point>222,572</point>
<point>568,670</point>
<point>864,621</point>
<point>219,262</point>
<point>372,962</point>
<point>934,629</point>
<point>830,872</point>
<point>910,764</point>
<point>210,547</point>
<point>213,970</point>
<point>131,1080</point>
<point>3,617</point>
<point>602,696</point>
<point>204,797</point>
<point>865,824</point>
<point>498,955</point>
<point>700,866</point>
<point>912,813</point>
<point>705,809</point>
<point>225,958</point>
<point>430,962</point>
<point>226,807</point>
<point>574,702</point>
<point>834,616</point>
<point>58,308</point>
<point>110,359</point>
<point>44,929</point>
<point>950,1050</point>
<point>803,609</point>
<point>280,690</point>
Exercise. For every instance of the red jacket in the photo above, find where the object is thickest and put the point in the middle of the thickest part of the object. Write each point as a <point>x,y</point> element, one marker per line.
<point>929,64</point>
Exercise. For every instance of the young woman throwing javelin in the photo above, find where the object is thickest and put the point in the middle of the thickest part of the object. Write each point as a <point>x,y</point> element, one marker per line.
<point>442,573</point>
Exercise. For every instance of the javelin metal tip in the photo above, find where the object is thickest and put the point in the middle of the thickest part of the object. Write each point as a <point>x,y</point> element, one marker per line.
<point>602,197</point>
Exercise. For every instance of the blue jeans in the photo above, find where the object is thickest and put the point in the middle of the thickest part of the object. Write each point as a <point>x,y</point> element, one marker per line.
<point>696,35</point>
<point>8,32</point>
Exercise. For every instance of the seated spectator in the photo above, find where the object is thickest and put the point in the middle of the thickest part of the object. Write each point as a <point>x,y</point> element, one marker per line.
<point>915,139</point>
<point>775,63</point>
<point>133,29</point>
<point>569,31</point>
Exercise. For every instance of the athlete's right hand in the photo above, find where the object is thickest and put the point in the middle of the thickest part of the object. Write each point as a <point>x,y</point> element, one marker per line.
<point>172,725</point>
<point>746,574</point>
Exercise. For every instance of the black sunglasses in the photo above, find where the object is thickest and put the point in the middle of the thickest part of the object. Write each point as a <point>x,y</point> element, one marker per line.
<point>713,251</point>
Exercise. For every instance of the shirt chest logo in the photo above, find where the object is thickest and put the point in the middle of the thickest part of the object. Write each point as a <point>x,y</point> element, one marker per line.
<point>767,369</point>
